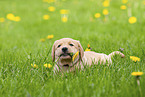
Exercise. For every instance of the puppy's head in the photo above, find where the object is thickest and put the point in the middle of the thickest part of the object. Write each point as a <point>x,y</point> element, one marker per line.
<point>64,47</point>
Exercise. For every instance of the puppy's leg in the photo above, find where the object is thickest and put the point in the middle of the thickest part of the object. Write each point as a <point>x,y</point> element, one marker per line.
<point>106,59</point>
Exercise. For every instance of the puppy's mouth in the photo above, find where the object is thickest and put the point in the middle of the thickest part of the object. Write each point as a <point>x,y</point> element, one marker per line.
<point>65,56</point>
<point>66,65</point>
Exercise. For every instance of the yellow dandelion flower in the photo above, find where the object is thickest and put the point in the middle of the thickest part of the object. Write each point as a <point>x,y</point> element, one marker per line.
<point>97,15</point>
<point>105,12</point>
<point>106,3</point>
<point>75,55</point>
<point>42,40</point>
<point>64,11</point>
<point>17,18</point>
<point>47,65</point>
<point>46,17</point>
<point>2,19</point>
<point>10,16</point>
<point>51,8</point>
<point>135,59</point>
<point>132,20</point>
<point>87,49</point>
<point>123,7</point>
<point>124,1</point>
<point>64,19</point>
<point>137,73</point>
<point>50,36</point>
<point>34,65</point>
<point>144,2</point>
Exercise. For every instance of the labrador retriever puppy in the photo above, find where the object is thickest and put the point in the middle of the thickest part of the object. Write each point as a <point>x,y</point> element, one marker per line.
<point>64,49</point>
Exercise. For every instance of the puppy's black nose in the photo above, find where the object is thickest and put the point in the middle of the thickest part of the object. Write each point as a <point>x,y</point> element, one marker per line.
<point>64,49</point>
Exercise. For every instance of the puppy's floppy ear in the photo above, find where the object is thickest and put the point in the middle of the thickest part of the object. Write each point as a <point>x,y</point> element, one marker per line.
<point>53,52</point>
<point>81,50</point>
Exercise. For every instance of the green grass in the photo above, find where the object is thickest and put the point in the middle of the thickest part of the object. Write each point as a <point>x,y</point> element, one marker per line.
<point>20,40</point>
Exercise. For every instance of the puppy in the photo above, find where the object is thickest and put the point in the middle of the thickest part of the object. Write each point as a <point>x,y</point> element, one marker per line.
<point>63,49</point>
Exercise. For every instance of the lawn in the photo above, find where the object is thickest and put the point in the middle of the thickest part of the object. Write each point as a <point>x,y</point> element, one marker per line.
<point>25,26</point>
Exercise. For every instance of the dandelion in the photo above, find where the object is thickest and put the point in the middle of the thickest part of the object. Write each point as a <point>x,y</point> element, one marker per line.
<point>75,55</point>
<point>87,49</point>
<point>64,19</point>
<point>42,40</point>
<point>124,1</point>
<point>46,17</point>
<point>144,2</point>
<point>137,73</point>
<point>97,15</point>
<point>123,7</point>
<point>10,16</point>
<point>106,3</point>
<point>50,36</point>
<point>34,65</point>
<point>135,59</point>
<point>2,19</point>
<point>47,65</point>
<point>51,8</point>
<point>105,12</point>
<point>17,18</point>
<point>132,20</point>
<point>64,11</point>
<point>137,76</point>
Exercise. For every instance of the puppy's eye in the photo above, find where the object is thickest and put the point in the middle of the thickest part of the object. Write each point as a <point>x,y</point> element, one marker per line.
<point>58,46</point>
<point>71,44</point>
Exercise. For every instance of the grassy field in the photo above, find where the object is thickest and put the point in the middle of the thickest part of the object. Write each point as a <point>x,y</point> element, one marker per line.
<point>20,46</point>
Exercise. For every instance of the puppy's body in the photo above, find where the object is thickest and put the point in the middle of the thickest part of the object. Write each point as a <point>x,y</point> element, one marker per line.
<point>93,57</point>
<point>61,54</point>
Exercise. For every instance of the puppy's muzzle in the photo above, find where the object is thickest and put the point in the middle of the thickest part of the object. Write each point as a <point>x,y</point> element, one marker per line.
<point>65,54</point>
<point>64,49</point>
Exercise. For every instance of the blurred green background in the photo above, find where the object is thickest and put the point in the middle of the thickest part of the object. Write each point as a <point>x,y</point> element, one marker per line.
<point>25,27</point>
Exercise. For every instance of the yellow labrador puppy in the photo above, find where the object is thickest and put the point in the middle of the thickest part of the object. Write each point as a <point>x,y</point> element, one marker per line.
<point>62,54</point>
